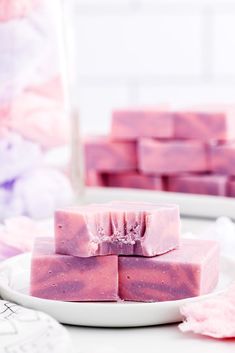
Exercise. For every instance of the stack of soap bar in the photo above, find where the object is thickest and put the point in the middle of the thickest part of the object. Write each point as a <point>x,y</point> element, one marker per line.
<point>207,184</point>
<point>172,157</point>
<point>69,278</point>
<point>134,180</point>
<point>200,126</point>
<point>132,124</point>
<point>169,145</point>
<point>189,271</point>
<point>128,228</point>
<point>104,155</point>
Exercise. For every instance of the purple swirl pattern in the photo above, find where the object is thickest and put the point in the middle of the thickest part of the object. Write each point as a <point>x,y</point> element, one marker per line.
<point>172,157</point>
<point>200,126</point>
<point>188,271</point>
<point>68,278</point>
<point>132,124</point>
<point>104,155</point>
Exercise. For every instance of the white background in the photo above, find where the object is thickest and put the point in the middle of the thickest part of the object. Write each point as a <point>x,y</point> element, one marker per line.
<point>151,52</point>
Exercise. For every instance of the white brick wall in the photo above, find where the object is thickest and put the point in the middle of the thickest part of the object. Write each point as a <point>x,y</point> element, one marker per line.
<point>149,52</point>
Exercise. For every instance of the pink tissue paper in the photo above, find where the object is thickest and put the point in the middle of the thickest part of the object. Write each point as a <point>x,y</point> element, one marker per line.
<point>212,317</point>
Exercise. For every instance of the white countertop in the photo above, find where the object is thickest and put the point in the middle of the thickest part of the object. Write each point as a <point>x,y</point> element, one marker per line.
<point>166,338</point>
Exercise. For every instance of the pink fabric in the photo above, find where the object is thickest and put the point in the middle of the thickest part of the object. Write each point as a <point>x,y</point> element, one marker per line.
<point>10,9</point>
<point>213,317</point>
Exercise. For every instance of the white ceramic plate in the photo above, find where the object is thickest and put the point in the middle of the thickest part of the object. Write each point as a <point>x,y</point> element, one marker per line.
<point>14,286</point>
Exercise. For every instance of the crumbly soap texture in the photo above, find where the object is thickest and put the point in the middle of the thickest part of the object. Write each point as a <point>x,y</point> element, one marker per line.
<point>122,251</point>
<point>117,228</point>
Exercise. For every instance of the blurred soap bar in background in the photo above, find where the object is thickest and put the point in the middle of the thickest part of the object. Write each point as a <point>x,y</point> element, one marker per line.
<point>201,184</point>
<point>104,155</point>
<point>231,187</point>
<point>94,178</point>
<point>133,180</point>
<point>184,151</point>
<point>68,278</point>
<point>132,124</point>
<point>201,126</point>
<point>169,276</point>
<point>171,157</point>
<point>222,158</point>
<point>178,151</point>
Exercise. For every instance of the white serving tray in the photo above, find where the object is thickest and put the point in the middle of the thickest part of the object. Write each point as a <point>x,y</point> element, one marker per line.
<point>190,204</point>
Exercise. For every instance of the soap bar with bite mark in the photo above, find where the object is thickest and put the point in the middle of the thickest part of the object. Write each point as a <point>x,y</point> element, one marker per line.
<point>128,228</point>
<point>68,278</point>
<point>188,271</point>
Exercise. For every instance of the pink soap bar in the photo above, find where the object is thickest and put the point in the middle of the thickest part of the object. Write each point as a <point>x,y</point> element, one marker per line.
<point>104,155</point>
<point>188,271</point>
<point>199,184</point>
<point>172,157</point>
<point>200,126</point>
<point>226,109</point>
<point>132,124</point>
<point>231,187</point>
<point>222,158</point>
<point>128,228</point>
<point>134,180</point>
<point>94,178</point>
<point>67,278</point>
